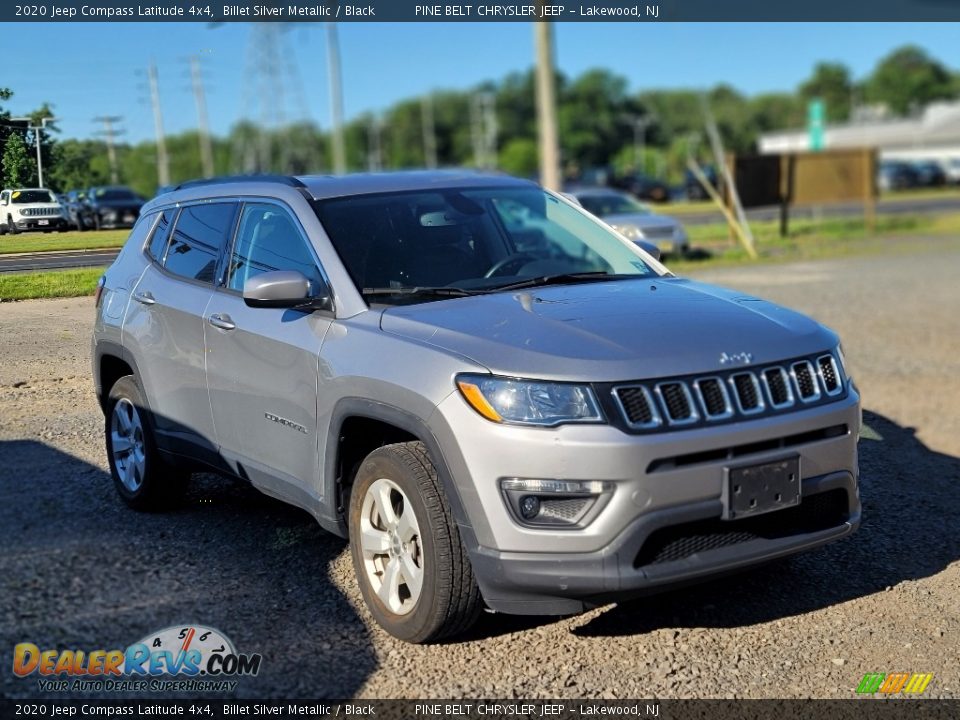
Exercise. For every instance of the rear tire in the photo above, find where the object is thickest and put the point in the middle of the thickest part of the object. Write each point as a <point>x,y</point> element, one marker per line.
<point>143,479</point>
<point>11,226</point>
<point>412,567</point>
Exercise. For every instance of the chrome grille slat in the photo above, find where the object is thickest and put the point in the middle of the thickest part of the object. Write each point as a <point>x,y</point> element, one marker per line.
<point>676,402</point>
<point>747,393</point>
<point>805,381</point>
<point>776,381</point>
<point>829,374</point>
<point>714,398</point>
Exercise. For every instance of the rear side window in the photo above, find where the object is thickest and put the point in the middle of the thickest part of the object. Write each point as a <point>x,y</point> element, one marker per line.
<point>198,235</point>
<point>161,233</point>
<point>268,239</point>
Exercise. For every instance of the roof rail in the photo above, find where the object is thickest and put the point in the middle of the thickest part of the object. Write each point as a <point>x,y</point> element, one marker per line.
<point>281,179</point>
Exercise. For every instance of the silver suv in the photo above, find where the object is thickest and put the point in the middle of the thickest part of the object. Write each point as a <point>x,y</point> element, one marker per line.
<point>496,397</point>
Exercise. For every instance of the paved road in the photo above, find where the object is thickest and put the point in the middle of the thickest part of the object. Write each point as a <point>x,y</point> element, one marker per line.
<point>79,570</point>
<point>29,262</point>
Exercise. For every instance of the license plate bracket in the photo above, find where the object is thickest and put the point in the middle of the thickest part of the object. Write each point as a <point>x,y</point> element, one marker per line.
<point>43,222</point>
<point>761,488</point>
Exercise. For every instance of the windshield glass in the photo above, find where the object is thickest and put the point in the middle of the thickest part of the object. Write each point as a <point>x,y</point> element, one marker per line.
<point>478,239</point>
<point>22,197</point>
<point>612,204</point>
<point>115,194</point>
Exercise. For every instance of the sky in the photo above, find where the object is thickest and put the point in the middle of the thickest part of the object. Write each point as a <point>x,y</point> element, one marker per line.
<point>89,69</point>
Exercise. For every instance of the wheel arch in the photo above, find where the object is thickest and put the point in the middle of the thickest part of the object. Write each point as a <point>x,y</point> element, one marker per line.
<point>343,455</point>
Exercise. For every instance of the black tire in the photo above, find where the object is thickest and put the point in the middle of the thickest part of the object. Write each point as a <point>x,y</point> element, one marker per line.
<point>449,601</point>
<point>11,226</point>
<point>160,486</point>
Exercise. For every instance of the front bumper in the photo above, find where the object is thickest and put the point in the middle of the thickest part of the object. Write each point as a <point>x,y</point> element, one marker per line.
<point>665,549</point>
<point>41,223</point>
<point>664,484</point>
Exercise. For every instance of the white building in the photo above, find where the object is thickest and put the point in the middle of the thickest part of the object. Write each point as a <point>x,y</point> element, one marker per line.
<point>934,135</point>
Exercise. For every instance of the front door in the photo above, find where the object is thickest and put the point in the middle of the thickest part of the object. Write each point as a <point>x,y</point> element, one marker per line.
<point>262,362</point>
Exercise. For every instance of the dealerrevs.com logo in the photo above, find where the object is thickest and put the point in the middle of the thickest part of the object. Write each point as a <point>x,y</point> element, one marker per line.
<point>181,657</point>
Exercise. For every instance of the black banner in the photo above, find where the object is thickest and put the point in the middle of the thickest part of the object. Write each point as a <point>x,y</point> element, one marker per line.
<point>861,709</point>
<point>647,11</point>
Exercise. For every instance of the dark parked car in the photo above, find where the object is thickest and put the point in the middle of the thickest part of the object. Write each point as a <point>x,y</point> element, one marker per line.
<point>73,204</point>
<point>895,175</point>
<point>693,188</point>
<point>110,207</point>
<point>930,173</point>
<point>643,187</point>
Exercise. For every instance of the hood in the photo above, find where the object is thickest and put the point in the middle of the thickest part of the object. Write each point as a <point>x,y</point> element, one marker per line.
<point>610,331</point>
<point>640,220</point>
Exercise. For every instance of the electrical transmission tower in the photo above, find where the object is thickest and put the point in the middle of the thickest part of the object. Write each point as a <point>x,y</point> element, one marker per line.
<point>272,83</point>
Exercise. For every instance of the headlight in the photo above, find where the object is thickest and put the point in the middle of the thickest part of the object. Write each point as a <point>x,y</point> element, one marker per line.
<point>631,232</point>
<point>525,402</point>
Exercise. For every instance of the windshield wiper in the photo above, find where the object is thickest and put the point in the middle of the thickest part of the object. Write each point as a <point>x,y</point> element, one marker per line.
<point>425,291</point>
<point>562,278</point>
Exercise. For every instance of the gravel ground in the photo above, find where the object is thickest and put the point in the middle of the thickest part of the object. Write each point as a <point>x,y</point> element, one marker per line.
<point>79,570</point>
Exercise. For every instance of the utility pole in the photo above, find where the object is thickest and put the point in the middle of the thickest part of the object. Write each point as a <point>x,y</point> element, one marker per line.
<point>336,100</point>
<point>38,139</point>
<point>483,130</point>
<point>547,107</point>
<point>374,145</point>
<point>639,125</point>
<point>110,133</point>
<point>163,162</point>
<point>429,132</point>
<point>203,123</point>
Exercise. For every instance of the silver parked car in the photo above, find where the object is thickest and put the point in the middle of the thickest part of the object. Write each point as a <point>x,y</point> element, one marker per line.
<point>498,400</point>
<point>634,220</point>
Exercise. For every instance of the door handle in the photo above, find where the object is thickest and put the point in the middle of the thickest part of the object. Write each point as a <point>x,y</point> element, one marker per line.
<point>144,298</point>
<point>222,321</point>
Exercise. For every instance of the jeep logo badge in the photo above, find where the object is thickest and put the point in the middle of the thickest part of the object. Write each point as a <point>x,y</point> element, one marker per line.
<point>740,358</point>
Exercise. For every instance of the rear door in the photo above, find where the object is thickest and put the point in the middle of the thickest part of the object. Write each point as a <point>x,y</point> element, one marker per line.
<point>164,327</point>
<point>262,363</point>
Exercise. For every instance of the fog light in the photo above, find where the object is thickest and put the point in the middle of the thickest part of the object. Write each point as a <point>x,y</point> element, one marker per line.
<point>557,504</point>
<point>529,507</point>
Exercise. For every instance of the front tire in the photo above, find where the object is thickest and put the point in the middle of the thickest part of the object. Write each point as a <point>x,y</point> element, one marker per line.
<point>11,226</point>
<point>144,481</point>
<point>412,567</point>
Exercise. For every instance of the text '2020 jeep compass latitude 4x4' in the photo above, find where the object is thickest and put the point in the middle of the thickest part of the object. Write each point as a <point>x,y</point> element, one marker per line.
<point>498,399</point>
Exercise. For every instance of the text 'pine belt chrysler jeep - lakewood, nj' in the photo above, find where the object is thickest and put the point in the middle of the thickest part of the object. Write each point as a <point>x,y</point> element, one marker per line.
<point>497,398</point>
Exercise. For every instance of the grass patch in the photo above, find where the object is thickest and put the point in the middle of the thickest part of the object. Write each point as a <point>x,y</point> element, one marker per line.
<point>812,239</point>
<point>52,284</point>
<point>74,240</point>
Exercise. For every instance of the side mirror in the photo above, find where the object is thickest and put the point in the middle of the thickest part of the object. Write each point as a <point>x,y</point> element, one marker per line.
<point>649,248</point>
<point>284,289</point>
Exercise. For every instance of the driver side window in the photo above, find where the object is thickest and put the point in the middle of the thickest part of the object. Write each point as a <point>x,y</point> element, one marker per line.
<point>268,239</point>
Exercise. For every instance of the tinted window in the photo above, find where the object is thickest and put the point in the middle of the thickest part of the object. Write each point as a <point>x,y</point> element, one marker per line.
<point>268,239</point>
<point>158,242</point>
<point>197,237</point>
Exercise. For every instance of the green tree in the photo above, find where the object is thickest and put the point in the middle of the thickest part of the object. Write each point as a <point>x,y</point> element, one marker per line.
<point>831,83</point>
<point>18,171</point>
<point>909,78</point>
<point>776,111</point>
<point>519,156</point>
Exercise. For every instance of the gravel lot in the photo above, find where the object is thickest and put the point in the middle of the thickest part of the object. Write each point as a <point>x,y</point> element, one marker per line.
<point>79,570</point>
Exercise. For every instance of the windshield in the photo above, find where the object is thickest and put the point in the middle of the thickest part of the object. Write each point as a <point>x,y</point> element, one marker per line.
<point>22,197</point>
<point>612,204</point>
<point>115,194</point>
<point>473,240</point>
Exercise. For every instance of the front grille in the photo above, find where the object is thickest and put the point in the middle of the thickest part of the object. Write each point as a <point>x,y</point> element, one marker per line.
<point>40,212</point>
<point>815,512</point>
<point>691,401</point>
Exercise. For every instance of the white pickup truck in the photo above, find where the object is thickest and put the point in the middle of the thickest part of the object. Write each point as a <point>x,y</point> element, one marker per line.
<point>31,209</point>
